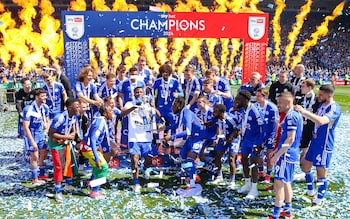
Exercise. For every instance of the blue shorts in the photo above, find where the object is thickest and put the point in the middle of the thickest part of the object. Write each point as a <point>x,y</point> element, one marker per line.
<point>140,148</point>
<point>41,142</point>
<point>234,146</point>
<point>284,170</point>
<point>221,146</point>
<point>270,143</point>
<point>195,147</point>
<point>247,148</point>
<point>319,158</point>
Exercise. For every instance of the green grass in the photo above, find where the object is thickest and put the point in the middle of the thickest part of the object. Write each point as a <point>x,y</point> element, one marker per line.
<point>342,97</point>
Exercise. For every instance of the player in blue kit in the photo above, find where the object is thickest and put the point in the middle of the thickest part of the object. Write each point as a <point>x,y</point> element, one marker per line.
<point>165,90</point>
<point>126,94</point>
<point>142,126</point>
<point>221,86</point>
<point>62,130</point>
<point>251,144</point>
<point>110,145</point>
<point>208,90</point>
<point>108,87</point>
<point>121,75</point>
<point>322,143</point>
<point>35,125</point>
<point>286,155</point>
<point>226,139</point>
<point>56,95</point>
<point>192,88</point>
<point>143,71</point>
<point>86,91</point>
<point>271,122</point>
<point>91,147</point>
<point>189,127</point>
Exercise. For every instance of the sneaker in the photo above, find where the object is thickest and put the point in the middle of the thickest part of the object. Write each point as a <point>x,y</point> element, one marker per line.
<point>232,185</point>
<point>317,202</point>
<point>286,216</point>
<point>310,193</point>
<point>97,195</point>
<point>137,188</point>
<point>69,188</point>
<point>37,182</point>
<point>267,179</point>
<point>59,197</point>
<point>218,181</point>
<point>245,188</point>
<point>253,194</point>
<point>147,173</point>
<point>43,177</point>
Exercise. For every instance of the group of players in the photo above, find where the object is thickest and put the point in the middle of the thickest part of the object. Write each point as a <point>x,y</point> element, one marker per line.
<point>286,124</point>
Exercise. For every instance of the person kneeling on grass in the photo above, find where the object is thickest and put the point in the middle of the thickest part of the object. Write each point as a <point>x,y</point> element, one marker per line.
<point>91,147</point>
<point>62,130</point>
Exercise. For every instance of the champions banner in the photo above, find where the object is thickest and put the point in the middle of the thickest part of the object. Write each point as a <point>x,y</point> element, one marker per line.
<point>79,26</point>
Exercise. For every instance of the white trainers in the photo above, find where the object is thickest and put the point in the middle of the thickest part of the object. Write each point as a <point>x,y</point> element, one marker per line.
<point>232,185</point>
<point>253,194</point>
<point>137,188</point>
<point>246,188</point>
<point>38,182</point>
<point>59,197</point>
<point>317,202</point>
<point>218,181</point>
<point>310,193</point>
<point>147,173</point>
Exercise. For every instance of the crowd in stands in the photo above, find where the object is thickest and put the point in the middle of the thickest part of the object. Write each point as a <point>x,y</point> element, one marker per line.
<point>330,56</point>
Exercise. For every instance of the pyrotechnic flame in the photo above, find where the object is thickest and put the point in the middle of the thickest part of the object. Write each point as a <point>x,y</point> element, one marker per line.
<point>277,27</point>
<point>2,7</point>
<point>292,36</point>
<point>321,31</point>
<point>49,26</point>
<point>42,46</point>
<point>163,7</point>
<point>253,6</point>
<point>100,5</point>
<point>235,6</point>
<point>77,5</point>
<point>121,5</point>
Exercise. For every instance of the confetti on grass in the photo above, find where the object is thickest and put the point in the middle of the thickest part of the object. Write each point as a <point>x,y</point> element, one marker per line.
<point>19,199</point>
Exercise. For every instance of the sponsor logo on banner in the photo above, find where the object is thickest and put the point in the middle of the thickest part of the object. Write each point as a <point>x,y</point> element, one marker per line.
<point>256,27</point>
<point>75,26</point>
